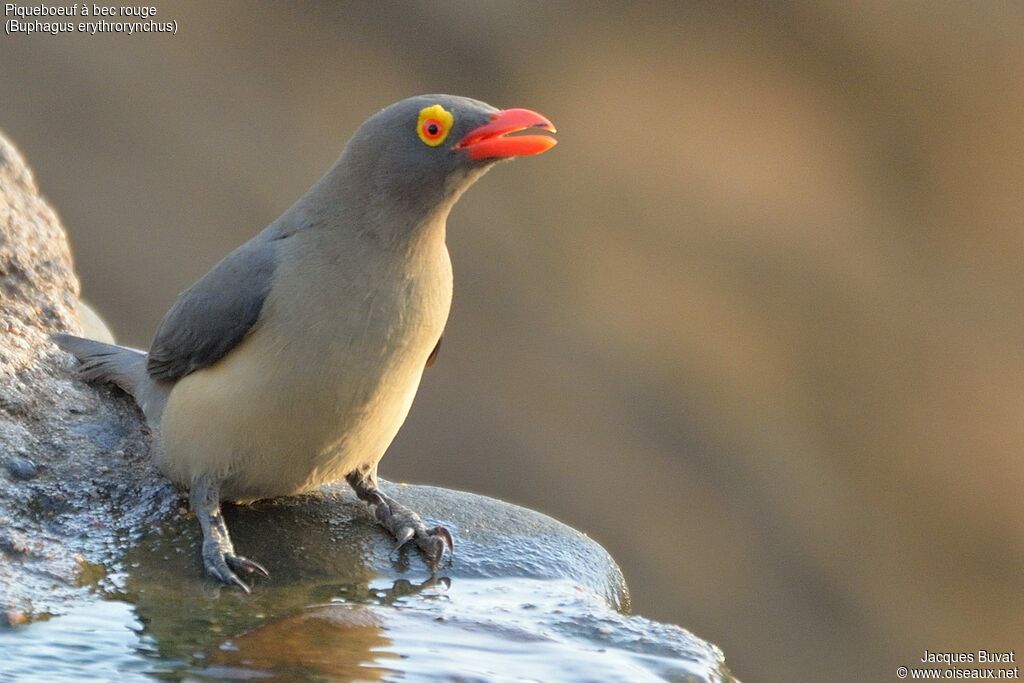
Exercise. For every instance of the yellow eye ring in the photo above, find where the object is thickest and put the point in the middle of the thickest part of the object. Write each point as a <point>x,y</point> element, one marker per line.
<point>434,124</point>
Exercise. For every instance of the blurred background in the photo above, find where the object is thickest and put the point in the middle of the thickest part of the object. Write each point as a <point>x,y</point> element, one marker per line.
<point>756,325</point>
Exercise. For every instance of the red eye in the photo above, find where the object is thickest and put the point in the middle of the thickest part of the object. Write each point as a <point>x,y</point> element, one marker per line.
<point>432,129</point>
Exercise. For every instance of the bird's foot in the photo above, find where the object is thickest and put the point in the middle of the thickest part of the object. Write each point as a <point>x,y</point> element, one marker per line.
<point>225,566</point>
<point>219,556</point>
<point>405,525</point>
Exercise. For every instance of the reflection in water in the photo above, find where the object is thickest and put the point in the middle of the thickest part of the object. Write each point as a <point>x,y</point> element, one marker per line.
<point>464,629</point>
<point>479,630</point>
<point>338,642</point>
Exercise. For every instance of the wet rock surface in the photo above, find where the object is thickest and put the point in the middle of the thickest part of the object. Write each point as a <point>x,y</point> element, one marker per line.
<point>91,534</point>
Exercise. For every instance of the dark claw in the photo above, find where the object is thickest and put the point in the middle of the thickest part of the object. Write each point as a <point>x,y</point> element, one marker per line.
<point>445,535</point>
<point>221,572</point>
<point>403,536</point>
<point>220,563</point>
<point>241,584</point>
<point>434,543</point>
<point>246,565</point>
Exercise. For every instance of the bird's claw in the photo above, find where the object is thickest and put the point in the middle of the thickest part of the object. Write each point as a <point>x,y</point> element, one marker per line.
<point>405,525</point>
<point>244,564</point>
<point>403,536</point>
<point>435,543</point>
<point>223,565</point>
<point>447,542</point>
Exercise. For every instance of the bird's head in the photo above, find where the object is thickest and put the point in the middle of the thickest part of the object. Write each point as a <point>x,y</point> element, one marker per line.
<point>418,155</point>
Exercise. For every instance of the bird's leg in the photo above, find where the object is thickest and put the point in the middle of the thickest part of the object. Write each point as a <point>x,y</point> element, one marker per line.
<point>219,556</point>
<point>400,521</point>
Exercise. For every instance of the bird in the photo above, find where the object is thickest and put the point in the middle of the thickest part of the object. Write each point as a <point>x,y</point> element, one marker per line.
<point>294,361</point>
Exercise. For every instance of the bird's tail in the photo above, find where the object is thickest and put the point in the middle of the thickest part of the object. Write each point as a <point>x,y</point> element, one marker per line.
<point>107,363</point>
<point>120,366</point>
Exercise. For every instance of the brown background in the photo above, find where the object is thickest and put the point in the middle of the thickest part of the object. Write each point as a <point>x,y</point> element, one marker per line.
<point>756,325</point>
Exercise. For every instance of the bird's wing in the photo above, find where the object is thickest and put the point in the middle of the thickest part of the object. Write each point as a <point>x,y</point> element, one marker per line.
<point>209,318</point>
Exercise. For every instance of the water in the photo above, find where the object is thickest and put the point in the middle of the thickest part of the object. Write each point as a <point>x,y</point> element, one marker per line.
<point>101,640</point>
<point>468,630</point>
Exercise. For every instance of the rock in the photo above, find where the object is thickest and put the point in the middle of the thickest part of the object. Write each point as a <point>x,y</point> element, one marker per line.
<point>14,543</point>
<point>21,468</point>
<point>89,530</point>
<point>85,485</point>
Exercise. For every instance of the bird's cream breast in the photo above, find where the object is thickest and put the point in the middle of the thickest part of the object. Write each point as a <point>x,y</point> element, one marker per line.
<point>323,382</point>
